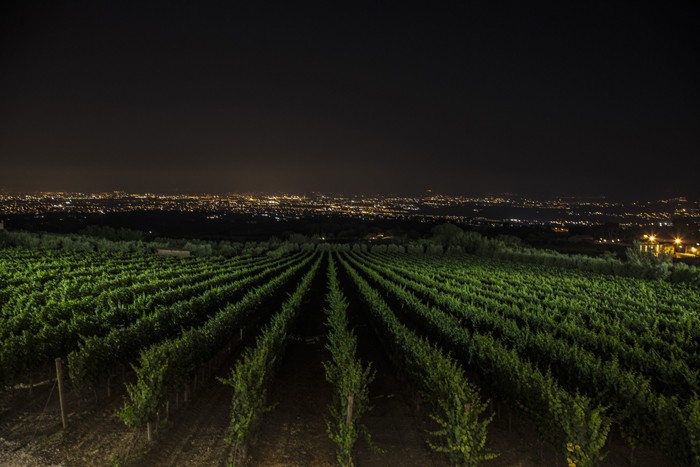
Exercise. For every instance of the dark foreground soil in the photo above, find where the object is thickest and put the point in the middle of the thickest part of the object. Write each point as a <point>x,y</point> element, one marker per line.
<point>395,423</point>
<point>31,433</point>
<point>293,432</point>
<point>195,435</point>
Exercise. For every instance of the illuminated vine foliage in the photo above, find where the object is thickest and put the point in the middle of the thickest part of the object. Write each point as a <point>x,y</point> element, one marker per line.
<point>566,345</point>
<point>251,375</point>
<point>345,372</point>
<point>579,350</point>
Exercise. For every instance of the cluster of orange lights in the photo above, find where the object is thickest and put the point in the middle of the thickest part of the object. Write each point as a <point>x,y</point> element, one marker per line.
<point>652,238</point>
<point>677,241</point>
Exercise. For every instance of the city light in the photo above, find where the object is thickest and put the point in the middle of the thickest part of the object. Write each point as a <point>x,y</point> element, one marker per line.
<point>560,213</point>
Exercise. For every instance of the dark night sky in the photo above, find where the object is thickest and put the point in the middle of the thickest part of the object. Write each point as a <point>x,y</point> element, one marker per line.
<point>575,99</point>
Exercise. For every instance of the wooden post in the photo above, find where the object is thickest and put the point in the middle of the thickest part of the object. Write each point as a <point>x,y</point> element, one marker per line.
<point>167,408</point>
<point>59,378</point>
<point>187,393</point>
<point>31,383</point>
<point>149,433</point>
<point>241,332</point>
<point>109,386</point>
<point>348,418</point>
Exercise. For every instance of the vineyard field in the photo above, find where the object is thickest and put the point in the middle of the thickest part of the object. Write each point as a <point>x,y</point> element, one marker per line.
<point>339,357</point>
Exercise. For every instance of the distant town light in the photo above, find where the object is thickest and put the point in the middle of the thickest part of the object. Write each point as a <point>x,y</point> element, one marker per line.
<point>652,238</point>
<point>678,241</point>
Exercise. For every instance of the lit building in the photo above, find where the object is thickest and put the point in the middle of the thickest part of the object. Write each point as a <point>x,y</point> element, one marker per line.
<point>675,247</point>
<point>655,245</point>
<point>657,248</point>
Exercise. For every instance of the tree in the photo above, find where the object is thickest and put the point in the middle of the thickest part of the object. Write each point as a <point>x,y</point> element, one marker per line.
<point>650,265</point>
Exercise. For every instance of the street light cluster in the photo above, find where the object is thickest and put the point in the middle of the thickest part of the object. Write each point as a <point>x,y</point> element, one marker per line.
<point>652,238</point>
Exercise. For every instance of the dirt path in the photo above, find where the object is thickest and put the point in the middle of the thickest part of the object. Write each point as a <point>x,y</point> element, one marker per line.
<point>394,423</point>
<point>194,436</point>
<point>31,431</point>
<point>294,432</point>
